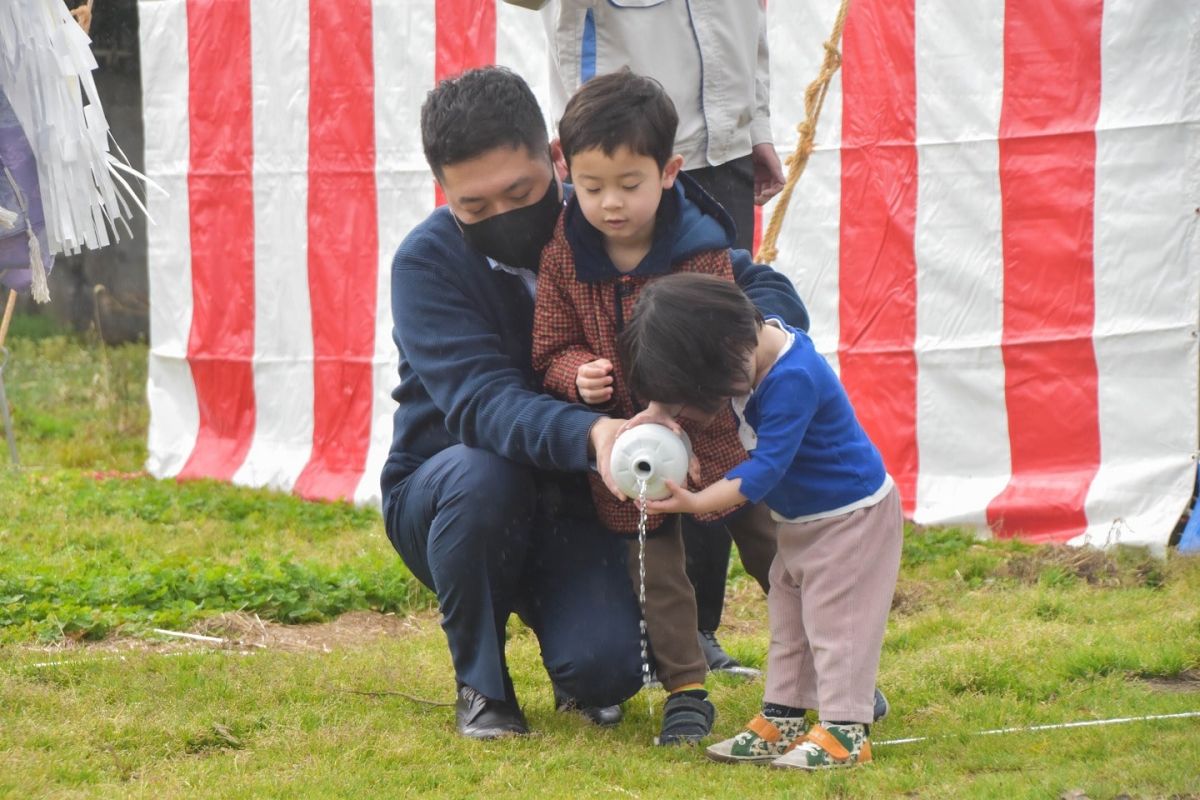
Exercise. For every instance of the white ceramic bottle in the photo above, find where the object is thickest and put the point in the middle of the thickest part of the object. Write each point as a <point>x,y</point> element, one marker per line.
<point>652,453</point>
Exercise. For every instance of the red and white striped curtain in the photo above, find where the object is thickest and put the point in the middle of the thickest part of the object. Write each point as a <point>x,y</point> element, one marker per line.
<point>998,238</point>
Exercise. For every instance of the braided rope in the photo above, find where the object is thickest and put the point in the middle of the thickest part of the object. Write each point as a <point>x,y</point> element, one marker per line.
<point>7,318</point>
<point>814,99</point>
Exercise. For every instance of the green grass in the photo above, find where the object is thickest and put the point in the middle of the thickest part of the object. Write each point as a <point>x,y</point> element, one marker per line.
<point>984,635</point>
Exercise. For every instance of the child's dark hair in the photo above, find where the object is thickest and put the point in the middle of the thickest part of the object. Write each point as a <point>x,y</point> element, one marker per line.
<point>688,341</point>
<point>617,109</point>
<point>465,116</point>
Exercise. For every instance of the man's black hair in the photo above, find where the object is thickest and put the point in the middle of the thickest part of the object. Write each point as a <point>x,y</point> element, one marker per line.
<point>620,109</point>
<point>468,115</point>
<point>688,341</point>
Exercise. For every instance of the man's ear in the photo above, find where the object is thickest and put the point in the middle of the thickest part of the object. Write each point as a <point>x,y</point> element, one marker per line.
<point>671,171</point>
<point>559,160</point>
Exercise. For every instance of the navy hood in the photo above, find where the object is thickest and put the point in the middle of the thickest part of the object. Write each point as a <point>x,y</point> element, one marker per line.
<point>688,221</point>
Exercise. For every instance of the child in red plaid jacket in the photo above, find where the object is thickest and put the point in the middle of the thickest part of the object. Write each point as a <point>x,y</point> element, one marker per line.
<point>633,217</point>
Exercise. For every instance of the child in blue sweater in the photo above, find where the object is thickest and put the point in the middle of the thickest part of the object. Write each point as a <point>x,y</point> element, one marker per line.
<point>695,344</point>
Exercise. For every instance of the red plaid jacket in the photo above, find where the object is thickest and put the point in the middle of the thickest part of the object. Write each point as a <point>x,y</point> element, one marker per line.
<point>575,322</point>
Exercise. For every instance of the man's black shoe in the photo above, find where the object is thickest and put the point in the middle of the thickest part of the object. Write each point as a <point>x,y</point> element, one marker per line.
<point>720,661</point>
<point>480,717</point>
<point>604,716</point>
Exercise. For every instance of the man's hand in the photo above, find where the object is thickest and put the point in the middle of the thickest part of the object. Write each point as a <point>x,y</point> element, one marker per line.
<point>594,381</point>
<point>600,441</point>
<point>768,172</point>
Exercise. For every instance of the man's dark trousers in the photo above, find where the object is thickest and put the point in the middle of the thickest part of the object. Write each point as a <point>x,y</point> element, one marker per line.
<point>471,526</point>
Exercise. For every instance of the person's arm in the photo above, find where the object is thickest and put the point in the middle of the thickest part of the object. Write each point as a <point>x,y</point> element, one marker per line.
<point>770,291</point>
<point>719,496</point>
<point>768,171</point>
<point>658,414</point>
<point>760,121</point>
<point>560,348</point>
<point>456,350</point>
<point>787,403</point>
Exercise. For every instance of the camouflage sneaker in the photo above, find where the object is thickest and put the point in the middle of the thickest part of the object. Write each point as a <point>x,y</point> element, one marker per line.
<point>828,748</point>
<point>763,740</point>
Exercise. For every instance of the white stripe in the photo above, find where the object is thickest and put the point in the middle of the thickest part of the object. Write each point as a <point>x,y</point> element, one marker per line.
<point>809,247</point>
<point>283,347</point>
<point>171,394</point>
<point>521,46</point>
<point>1147,270</point>
<point>962,422</point>
<point>403,43</point>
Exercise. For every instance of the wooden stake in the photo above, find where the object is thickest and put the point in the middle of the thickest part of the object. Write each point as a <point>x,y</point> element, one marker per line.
<point>8,312</point>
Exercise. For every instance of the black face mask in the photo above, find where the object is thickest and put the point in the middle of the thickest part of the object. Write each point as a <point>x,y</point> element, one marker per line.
<point>516,238</point>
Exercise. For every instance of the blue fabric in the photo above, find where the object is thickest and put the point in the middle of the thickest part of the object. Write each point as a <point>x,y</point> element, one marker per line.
<point>1189,542</point>
<point>812,454</point>
<point>587,50</point>
<point>566,577</point>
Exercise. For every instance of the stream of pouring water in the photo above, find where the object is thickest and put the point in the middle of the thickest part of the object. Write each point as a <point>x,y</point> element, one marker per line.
<point>642,591</point>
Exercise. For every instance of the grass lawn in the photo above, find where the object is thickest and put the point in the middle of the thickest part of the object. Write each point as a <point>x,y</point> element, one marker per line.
<point>983,635</point>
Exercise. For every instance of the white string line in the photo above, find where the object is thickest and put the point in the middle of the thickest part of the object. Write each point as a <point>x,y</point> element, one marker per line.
<point>193,636</point>
<point>911,740</point>
<point>1058,726</point>
<point>100,659</point>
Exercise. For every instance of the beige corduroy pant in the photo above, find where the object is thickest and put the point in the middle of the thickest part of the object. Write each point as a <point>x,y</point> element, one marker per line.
<point>831,589</point>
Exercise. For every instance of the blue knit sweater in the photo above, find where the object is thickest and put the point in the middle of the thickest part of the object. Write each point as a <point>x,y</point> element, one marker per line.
<point>464,333</point>
<point>812,455</point>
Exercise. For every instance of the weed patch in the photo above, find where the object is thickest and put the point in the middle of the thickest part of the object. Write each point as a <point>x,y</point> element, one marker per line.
<point>926,545</point>
<point>89,603</point>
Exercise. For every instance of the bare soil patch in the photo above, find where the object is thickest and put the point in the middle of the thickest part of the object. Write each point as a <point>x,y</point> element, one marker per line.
<point>352,629</point>
<point>745,610</point>
<point>910,597</point>
<point>1186,681</point>
<point>240,631</point>
<point>1096,567</point>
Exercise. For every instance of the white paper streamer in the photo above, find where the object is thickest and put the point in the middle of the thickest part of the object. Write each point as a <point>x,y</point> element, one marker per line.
<point>46,68</point>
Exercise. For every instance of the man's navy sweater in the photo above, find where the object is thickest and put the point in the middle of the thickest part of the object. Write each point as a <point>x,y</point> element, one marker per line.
<point>464,333</point>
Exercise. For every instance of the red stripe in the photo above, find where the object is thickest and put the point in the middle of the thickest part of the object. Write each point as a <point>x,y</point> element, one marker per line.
<point>466,38</point>
<point>343,243</point>
<point>221,211</point>
<point>878,292</point>
<point>1047,184</point>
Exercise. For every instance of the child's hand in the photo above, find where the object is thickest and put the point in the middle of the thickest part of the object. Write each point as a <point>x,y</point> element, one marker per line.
<point>655,413</point>
<point>681,501</point>
<point>594,381</point>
